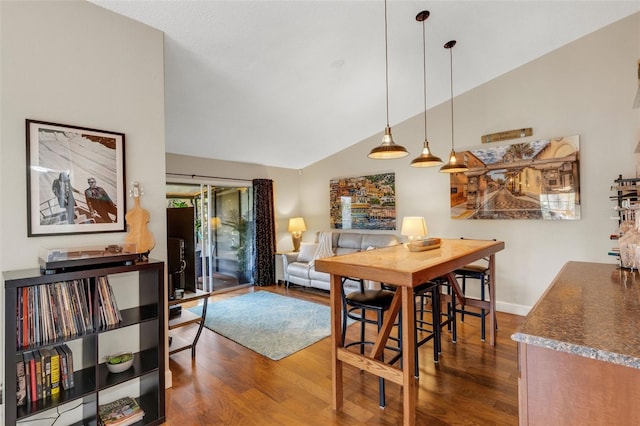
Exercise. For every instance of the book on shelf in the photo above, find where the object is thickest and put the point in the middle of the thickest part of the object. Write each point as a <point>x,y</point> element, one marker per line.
<point>69,361</point>
<point>30,369</point>
<point>64,371</point>
<point>46,372</point>
<point>21,381</point>
<point>121,412</point>
<point>38,363</point>
<point>55,372</point>
<point>40,373</point>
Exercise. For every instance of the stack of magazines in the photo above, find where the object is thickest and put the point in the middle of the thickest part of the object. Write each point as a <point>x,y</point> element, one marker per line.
<point>121,412</point>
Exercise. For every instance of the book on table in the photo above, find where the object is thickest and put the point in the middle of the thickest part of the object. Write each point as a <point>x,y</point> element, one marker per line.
<point>121,412</point>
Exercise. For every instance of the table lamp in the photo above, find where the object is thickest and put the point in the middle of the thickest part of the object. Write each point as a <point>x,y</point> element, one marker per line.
<point>296,227</point>
<point>414,227</point>
<point>215,222</point>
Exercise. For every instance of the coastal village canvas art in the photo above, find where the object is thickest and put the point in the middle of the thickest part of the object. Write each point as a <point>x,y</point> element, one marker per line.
<point>363,202</point>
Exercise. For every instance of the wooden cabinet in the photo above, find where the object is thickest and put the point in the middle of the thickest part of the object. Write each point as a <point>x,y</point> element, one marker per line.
<point>558,388</point>
<point>185,318</point>
<point>143,319</point>
<point>579,349</point>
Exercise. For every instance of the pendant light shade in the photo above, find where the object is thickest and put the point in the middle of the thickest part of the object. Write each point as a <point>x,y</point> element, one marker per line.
<point>426,158</point>
<point>387,149</point>
<point>453,166</point>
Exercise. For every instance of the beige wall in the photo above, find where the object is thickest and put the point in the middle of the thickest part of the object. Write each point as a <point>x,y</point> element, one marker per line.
<point>584,88</point>
<point>75,63</point>
<point>286,185</point>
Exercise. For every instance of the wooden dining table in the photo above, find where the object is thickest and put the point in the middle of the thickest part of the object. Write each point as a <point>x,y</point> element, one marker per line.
<point>405,269</point>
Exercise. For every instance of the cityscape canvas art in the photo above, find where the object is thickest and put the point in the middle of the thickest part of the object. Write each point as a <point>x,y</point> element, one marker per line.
<point>531,180</point>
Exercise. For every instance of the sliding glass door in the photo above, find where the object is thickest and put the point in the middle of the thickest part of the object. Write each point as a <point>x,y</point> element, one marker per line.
<point>223,232</point>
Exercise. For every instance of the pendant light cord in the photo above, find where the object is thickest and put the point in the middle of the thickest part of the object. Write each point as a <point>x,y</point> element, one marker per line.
<point>386,60</point>
<point>451,86</point>
<point>424,59</point>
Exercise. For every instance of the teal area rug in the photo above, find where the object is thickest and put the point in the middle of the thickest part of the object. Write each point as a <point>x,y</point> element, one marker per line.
<point>273,325</point>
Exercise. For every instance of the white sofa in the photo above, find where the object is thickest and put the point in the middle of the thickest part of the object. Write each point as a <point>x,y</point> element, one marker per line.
<point>297,265</point>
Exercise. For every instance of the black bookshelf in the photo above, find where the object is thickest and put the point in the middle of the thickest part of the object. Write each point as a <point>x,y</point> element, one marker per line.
<point>92,379</point>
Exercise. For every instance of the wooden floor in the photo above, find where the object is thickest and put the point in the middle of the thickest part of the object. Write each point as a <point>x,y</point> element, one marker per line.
<point>227,384</point>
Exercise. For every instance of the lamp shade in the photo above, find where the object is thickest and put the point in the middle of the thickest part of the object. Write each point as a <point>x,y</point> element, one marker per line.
<point>454,166</point>
<point>215,222</point>
<point>296,224</point>
<point>388,149</point>
<point>414,227</point>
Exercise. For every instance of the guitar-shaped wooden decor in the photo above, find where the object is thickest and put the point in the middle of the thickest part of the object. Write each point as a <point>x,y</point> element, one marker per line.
<point>137,218</point>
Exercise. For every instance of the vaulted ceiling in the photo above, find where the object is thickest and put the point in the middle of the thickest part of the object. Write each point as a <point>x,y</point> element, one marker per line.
<point>288,83</point>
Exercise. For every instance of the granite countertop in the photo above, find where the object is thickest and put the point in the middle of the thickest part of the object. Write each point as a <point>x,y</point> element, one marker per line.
<point>590,310</point>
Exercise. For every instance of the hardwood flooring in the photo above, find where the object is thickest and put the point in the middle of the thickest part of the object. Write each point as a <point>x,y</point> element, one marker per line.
<point>227,384</point>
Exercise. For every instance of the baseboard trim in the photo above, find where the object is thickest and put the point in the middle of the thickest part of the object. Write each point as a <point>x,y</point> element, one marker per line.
<point>168,379</point>
<point>512,308</point>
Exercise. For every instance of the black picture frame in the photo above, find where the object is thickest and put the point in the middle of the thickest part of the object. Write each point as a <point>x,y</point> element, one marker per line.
<point>61,159</point>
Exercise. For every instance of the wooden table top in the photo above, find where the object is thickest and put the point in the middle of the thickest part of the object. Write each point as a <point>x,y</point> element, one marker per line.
<point>397,265</point>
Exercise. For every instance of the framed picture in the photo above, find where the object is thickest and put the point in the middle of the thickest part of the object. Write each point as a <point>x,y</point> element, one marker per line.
<point>537,180</point>
<point>75,180</point>
<point>363,202</point>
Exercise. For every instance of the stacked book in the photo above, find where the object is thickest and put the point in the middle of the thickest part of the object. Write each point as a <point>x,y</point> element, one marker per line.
<point>41,373</point>
<point>121,412</point>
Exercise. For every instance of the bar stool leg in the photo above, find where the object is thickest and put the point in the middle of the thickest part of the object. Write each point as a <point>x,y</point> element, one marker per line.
<point>435,312</point>
<point>381,385</point>
<point>483,312</point>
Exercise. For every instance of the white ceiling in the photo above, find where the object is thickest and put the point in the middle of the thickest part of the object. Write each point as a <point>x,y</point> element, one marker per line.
<point>288,83</point>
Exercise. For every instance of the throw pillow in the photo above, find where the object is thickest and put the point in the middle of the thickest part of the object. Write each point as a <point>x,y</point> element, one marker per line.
<point>307,252</point>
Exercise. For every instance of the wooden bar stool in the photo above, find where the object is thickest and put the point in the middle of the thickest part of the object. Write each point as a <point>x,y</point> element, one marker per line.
<point>476,271</point>
<point>355,306</point>
<point>424,331</point>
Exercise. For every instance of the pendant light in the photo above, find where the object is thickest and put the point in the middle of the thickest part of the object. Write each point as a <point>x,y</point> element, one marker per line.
<point>426,159</point>
<point>387,149</point>
<point>453,166</point>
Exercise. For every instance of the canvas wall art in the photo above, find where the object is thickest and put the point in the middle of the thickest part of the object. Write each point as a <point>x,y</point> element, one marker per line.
<point>532,180</point>
<point>363,202</point>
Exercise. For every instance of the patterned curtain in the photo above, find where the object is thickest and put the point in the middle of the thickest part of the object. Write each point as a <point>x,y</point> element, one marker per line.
<point>264,272</point>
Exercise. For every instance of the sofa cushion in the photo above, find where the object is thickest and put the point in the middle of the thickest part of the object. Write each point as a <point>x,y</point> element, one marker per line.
<point>334,239</point>
<point>319,276</point>
<point>342,250</point>
<point>350,241</point>
<point>378,240</point>
<point>307,252</point>
<point>298,269</point>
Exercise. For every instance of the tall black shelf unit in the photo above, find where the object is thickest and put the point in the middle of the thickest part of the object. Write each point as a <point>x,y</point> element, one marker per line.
<point>91,376</point>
